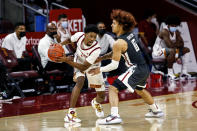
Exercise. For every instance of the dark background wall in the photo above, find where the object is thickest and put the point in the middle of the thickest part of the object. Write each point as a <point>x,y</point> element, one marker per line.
<point>99,10</point>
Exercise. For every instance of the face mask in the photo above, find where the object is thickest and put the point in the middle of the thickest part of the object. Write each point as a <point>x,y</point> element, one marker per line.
<point>154,20</point>
<point>51,34</point>
<point>173,29</point>
<point>65,24</point>
<point>22,34</point>
<point>102,32</point>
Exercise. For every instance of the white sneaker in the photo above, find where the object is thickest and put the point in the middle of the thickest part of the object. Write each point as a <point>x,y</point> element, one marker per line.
<point>152,114</point>
<point>98,109</point>
<point>110,120</point>
<point>71,117</point>
<point>185,76</point>
<point>172,77</point>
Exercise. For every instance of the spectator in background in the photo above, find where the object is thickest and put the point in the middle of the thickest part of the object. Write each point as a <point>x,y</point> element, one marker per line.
<point>148,29</point>
<point>17,42</point>
<point>63,31</point>
<point>43,46</point>
<point>170,45</point>
<point>106,42</point>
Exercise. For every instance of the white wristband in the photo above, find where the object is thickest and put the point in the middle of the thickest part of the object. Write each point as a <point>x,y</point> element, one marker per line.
<point>112,66</point>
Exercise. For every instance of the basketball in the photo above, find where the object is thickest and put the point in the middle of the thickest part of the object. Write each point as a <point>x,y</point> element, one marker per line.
<point>55,51</point>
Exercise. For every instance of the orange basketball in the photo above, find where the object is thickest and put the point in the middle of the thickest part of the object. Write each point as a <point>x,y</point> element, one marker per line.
<point>54,51</point>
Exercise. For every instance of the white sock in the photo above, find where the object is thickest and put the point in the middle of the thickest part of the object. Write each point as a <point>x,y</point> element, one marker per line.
<point>185,61</point>
<point>154,108</point>
<point>114,111</point>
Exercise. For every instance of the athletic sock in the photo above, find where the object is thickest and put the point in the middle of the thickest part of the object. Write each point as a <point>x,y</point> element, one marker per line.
<point>114,111</point>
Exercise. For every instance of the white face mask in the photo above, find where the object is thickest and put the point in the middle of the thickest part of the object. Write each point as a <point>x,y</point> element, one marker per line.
<point>65,24</point>
<point>154,20</point>
<point>173,29</point>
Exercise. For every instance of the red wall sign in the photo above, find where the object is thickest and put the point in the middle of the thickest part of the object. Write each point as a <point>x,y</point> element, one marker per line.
<point>75,23</point>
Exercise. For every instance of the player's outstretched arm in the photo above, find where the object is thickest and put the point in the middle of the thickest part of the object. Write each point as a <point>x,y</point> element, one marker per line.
<point>81,67</point>
<point>119,47</point>
<point>107,56</point>
<point>104,57</point>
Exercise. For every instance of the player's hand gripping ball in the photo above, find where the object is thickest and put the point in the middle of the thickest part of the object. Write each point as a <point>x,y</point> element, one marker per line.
<point>55,51</point>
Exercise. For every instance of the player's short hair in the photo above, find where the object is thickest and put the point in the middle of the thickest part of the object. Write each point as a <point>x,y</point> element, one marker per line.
<point>91,28</point>
<point>62,16</point>
<point>18,24</point>
<point>173,20</point>
<point>125,18</point>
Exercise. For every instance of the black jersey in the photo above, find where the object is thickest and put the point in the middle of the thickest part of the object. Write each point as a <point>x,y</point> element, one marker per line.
<point>133,55</point>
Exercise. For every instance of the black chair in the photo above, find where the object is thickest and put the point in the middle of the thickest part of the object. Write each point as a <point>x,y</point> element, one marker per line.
<point>45,74</point>
<point>8,60</point>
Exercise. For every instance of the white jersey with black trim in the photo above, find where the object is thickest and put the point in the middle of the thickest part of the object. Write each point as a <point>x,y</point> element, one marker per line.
<point>84,52</point>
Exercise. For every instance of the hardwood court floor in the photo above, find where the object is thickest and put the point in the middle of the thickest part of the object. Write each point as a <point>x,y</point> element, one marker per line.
<point>179,106</point>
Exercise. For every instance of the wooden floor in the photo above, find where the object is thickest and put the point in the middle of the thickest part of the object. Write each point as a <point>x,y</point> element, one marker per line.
<point>180,115</point>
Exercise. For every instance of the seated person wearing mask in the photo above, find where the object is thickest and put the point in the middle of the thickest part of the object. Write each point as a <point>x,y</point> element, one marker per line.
<point>17,42</point>
<point>169,45</point>
<point>43,46</point>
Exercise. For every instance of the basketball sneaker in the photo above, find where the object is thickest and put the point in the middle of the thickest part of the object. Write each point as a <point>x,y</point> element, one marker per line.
<point>185,76</point>
<point>71,117</point>
<point>98,108</point>
<point>172,76</point>
<point>152,114</point>
<point>110,120</point>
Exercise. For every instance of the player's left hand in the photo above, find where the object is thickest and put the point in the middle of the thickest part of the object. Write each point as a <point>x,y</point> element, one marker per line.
<point>94,71</point>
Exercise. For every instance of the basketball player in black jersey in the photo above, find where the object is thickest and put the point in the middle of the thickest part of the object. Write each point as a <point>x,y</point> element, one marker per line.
<point>134,79</point>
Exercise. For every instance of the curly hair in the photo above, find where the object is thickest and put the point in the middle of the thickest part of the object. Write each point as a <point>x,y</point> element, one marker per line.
<point>125,18</point>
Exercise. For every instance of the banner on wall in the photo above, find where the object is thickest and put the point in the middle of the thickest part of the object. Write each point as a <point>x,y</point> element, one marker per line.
<point>75,22</point>
<point>185,34</point>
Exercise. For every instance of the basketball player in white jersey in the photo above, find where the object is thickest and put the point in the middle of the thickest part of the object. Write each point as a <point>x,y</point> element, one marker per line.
<point>169,45</point>
<point>88,50</point>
